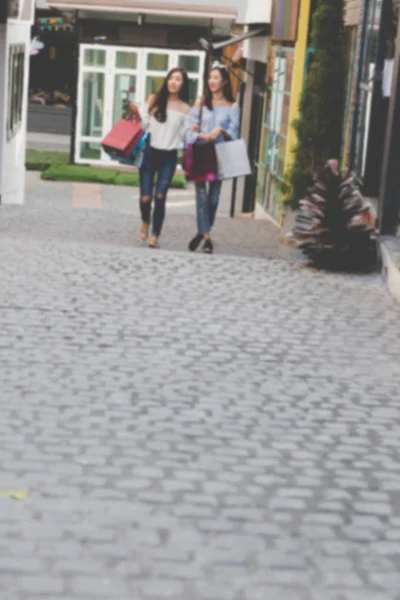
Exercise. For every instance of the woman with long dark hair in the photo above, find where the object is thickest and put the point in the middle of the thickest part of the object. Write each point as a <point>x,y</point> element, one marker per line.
<point>166,120</point>
<point>220,118</point>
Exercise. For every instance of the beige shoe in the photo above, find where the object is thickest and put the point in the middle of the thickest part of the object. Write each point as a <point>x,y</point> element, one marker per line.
<point>144,232</point>
<point>154,243</point>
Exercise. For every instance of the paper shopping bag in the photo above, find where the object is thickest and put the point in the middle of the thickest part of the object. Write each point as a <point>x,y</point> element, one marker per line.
<point>123,138</point>
<point>233,160</point>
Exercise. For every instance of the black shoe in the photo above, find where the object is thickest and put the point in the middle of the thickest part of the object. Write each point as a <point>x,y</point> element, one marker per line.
<point>208,247</point>
<point>195,242</point>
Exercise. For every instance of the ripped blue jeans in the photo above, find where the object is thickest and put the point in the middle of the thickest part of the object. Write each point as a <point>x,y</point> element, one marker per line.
<point>163,164</point>
<point>207,198</point>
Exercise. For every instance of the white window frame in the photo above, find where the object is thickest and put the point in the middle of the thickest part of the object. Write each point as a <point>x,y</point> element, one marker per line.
<point>109,70</point>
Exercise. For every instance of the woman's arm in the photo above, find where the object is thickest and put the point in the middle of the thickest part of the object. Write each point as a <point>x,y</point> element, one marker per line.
<point>134,110</point>
<point>233,130</point>
<point>193,123</point>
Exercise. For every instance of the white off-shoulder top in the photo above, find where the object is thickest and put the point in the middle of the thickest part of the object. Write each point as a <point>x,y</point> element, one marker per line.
<point>169,135</point>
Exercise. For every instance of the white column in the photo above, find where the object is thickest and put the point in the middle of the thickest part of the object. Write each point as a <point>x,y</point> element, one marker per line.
<point>3,98</point>
<point>12,148</point>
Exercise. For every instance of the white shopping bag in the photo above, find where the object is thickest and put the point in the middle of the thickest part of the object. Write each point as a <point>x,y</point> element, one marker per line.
<point>233,160</point>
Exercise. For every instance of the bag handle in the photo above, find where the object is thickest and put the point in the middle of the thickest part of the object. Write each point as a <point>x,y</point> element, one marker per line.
<point>201,111</point>
<point>128,116</point>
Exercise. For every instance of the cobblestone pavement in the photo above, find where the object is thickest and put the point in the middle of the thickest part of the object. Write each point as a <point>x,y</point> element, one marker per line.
<point>192,427</point>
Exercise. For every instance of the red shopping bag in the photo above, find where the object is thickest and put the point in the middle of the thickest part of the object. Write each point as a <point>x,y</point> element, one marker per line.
<point>123,138</point>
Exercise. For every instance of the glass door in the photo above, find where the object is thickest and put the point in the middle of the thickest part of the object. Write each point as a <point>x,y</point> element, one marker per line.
<point>108,81</point>
<point>125,82</point>
<point>91,104</point>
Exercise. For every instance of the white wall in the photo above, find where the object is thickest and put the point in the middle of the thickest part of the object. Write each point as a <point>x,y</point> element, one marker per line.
<point>208,9</point>
<point>12,152</point>
<point>254,11</point>
<point>3,104</point>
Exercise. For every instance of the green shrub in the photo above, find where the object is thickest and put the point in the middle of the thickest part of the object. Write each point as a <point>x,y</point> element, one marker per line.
<point>319,128</point>
<point>179,181</point>
<point>80,173</point>
<point>130,178</point>
<point>39,160</point>
<point>88,174</point>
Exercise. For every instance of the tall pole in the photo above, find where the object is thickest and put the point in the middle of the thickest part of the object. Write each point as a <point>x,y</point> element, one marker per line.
<point>379,110</point>
<point>356,112</point>
<point>389,197</point>
<point>74,90</point>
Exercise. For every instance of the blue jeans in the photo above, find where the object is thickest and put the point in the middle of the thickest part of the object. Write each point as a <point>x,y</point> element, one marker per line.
<point>163,163</point>
<point>207,204</point>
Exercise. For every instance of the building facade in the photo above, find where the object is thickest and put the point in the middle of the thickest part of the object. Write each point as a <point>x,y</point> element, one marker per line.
<point>255,17</point>
<point>369,26</point>
<point>370,29</point>
<point>123,51</point>
<point>52,73</point>
<point>286,67</point>
<point>15,28</point>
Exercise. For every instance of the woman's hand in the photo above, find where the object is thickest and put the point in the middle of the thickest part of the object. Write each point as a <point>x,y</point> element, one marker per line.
<point>196,128</point>
<point>212,136</point>
<point>133,110</point>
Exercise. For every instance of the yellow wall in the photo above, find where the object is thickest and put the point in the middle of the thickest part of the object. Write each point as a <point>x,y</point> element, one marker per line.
<point>298,75</point>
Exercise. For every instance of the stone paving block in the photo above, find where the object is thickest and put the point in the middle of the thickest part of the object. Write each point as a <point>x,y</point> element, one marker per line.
<point>197,427</point>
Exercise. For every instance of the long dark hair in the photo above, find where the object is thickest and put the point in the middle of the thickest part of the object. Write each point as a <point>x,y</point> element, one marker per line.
<point>159,104</point>
<point>226,89</point>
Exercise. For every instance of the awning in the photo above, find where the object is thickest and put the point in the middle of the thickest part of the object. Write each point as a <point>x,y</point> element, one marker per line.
<point>169,8</point>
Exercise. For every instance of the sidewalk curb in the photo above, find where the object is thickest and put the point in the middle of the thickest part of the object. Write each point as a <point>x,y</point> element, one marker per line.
<point>391,272</point>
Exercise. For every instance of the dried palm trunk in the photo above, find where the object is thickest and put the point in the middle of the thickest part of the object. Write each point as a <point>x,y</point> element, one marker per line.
<point>333,225</point>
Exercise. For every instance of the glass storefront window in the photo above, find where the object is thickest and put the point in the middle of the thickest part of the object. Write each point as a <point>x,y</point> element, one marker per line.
<point>281,158</point>
<point>263,146</point>
<point>289,73</point>
<point>260,189</point>
<point>276,128</point>
<point>124,92</point>
<point>126,60</point>
<point>153,84</point>
<point>94,58</point>
<point>190,63</point>
<point>371,43</point>
<point>274,153</point>
<point>285,115</point>
<point>157,62</point>
<point>92,104</point>
<point>367,65</point>
<point>90,151</point>
<point>16,68</point>
<point>193,90</point>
